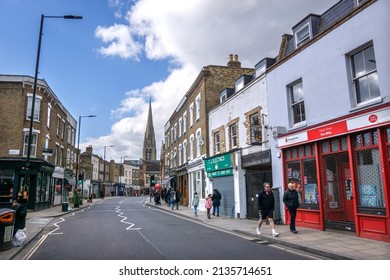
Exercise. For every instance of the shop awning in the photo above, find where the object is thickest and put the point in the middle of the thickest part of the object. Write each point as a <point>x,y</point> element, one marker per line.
<point>167,180</point>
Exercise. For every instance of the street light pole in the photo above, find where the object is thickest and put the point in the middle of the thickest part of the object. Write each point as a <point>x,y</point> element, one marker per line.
<point>78,150</point>
<point>35,90</point>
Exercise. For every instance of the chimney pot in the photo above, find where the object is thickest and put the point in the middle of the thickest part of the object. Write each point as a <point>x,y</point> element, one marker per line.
<point>230,57</point>
<point>236,57</point>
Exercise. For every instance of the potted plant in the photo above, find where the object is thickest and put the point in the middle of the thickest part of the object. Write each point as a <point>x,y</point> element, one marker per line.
<point>77,199</point>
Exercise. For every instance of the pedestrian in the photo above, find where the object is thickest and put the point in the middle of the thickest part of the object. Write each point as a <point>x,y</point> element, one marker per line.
<point>20,206</point>
<point>172,198</point>
<point>157,198</point>
<point>177,199</point>
<point>290,199</point>
<point>208,205</point>
<point>195,203</point>
<point>266,207</point>
<point>216,198</point>
<point>102,194</point>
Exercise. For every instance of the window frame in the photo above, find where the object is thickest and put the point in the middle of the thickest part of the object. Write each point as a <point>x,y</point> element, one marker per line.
<point>34,143</point>
<point>307,37</point>
<point>356,78</point>
<point>217,142</point>
<point>37,107</point>
<point>233,138</point>
<point>293,104</point>
<point>255,127</point>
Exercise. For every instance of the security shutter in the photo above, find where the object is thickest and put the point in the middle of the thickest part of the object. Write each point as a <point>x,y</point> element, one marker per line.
<point>225,185</point>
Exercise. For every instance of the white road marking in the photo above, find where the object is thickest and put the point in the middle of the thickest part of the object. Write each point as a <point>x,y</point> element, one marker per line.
<point>118,210</point>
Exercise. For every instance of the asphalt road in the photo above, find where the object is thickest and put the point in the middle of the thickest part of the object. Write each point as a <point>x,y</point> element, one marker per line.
<point>124,228</point>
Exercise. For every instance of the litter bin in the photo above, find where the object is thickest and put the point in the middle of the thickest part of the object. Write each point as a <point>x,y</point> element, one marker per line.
<point>7,221</point>
<point>65,206</point>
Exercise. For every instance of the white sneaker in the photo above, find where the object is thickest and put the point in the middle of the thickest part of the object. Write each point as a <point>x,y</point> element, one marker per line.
<point>258,232</point>
<point>275,234</point>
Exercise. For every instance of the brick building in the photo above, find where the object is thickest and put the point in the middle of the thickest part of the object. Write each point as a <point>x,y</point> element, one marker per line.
<point>186,132</point>
<point>52,158</point>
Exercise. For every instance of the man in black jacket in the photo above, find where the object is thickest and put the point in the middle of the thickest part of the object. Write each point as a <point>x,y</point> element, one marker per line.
<point>290,199</point>
<point>266,206</point>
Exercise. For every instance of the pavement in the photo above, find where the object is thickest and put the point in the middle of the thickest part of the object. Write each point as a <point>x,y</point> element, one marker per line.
<point>327,244</point>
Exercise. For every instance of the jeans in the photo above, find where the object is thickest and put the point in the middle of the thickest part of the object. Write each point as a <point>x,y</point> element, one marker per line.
<point>196,210</point>
<point>216,210</point>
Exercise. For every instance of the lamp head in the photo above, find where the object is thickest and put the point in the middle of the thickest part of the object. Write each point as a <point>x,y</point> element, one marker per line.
<point>72,17</point>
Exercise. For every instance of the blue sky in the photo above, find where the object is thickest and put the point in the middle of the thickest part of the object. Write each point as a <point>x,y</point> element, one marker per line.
<point>124,52</point>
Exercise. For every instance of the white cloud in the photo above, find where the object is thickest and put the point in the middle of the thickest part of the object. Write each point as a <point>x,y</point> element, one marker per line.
<point>191,34</point>
<point>120,41</point>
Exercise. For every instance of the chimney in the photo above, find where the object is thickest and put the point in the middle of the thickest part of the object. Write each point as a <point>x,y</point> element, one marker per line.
<point>88,150</point>
<point>234,63</point>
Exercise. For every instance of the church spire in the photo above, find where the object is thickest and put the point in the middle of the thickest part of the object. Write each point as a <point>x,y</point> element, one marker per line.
<point>149,151</point>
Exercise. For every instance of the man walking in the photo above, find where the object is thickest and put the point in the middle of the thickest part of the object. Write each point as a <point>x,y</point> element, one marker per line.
<point>266,207</point>
<point>290,199</point>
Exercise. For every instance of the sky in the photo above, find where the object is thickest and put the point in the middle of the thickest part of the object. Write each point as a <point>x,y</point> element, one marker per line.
<point>124,53</point>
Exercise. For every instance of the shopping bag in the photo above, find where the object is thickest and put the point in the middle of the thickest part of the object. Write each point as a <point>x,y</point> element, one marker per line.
<point>20,238</point>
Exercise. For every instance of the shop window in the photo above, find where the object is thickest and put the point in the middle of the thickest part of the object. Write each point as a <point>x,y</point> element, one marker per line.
<point>388,142</point>
<point>369,182</point>
<point>43,186</point>
<point>6,184</point>
<point>301,171</point>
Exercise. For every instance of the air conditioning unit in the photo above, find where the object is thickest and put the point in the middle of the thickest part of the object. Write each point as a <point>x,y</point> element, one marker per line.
<point>278,130</point>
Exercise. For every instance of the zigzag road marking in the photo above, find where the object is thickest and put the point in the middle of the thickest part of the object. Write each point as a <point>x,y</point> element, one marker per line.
<point>118,210</point>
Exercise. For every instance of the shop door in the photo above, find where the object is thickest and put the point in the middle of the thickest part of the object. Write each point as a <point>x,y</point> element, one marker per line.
<point>337,192</point>
<point>254,180</point>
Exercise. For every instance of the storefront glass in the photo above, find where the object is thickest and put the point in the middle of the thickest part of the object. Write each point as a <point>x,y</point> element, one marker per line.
<point>6,185</point>
<point>301,171</point>
<point>43,188</point>
<point>369,182</point>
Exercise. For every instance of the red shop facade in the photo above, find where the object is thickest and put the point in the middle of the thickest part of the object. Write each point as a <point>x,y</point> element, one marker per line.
<point>342,171</point>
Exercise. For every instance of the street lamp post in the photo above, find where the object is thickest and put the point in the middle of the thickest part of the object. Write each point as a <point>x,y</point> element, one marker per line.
<point>78,150</point>
<point>104,163</point>
<point>35,89</point>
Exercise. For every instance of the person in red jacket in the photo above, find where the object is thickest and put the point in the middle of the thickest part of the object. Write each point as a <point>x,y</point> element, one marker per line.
<point>266,206</point>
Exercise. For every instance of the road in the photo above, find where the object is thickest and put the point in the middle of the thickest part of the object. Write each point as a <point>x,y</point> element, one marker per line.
<point>124,228</point>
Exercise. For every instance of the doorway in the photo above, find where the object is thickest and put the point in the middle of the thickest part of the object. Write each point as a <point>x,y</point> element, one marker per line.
<point>254,180</point>
<point>337,193</point>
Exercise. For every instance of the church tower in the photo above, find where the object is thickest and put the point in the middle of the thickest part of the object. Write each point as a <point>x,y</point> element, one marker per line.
<point>149,151</point>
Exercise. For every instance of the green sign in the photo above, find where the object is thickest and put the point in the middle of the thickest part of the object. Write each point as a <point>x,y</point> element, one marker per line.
<point>218,166</point>
<point>220,173</point>
<point>218,162</point>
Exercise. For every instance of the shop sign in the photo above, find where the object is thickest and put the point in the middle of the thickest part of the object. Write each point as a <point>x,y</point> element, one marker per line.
<point>220,173</point>
<point>372,119</point>
<point>218,163</point>
<point>259,158</point>
<point>59,172</point>
<point>328,131</point>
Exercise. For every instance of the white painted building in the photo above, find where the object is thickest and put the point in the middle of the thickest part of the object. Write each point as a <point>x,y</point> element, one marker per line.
<point>330,91</point>
<point>239,140</point>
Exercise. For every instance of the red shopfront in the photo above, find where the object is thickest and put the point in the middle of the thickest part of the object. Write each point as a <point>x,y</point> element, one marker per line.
<point>342,169</point>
